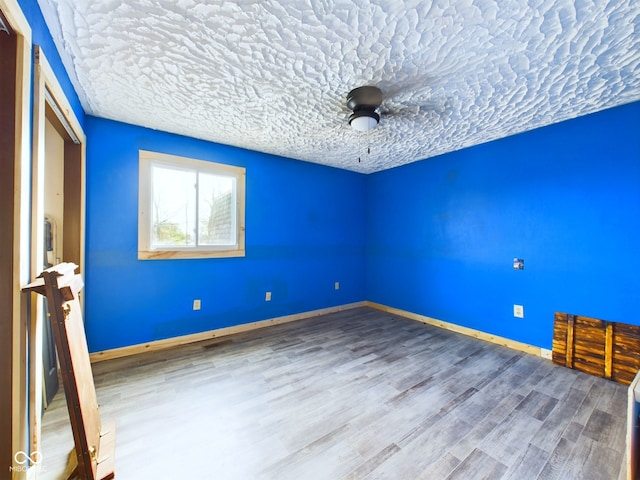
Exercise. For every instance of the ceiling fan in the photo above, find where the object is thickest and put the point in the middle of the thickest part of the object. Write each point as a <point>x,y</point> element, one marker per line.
<point>367,104</point>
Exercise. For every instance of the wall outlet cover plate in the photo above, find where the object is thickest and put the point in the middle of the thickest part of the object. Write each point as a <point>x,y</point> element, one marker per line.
<point>518,311</point>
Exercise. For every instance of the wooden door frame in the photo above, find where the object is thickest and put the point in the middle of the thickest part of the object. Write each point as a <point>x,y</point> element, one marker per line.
<point>13,317</point>
<point>47,93</point>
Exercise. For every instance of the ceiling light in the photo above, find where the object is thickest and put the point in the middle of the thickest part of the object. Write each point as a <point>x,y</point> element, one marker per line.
<point>364,120</point>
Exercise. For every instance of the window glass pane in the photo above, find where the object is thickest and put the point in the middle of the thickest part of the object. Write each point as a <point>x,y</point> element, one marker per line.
<point>173,206</point>
<point>189,208</point>
<point>217,225</point>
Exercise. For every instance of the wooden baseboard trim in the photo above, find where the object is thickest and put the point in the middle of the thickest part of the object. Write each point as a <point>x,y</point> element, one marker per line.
<point>210,334</point>
<point>246,327</point>
<point>523,347</point>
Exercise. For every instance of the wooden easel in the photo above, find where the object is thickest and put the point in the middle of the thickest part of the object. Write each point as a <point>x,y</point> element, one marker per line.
<point>94,443</point>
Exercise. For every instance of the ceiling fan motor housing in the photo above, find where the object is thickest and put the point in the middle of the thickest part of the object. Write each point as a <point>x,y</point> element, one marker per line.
<point>364,101</point>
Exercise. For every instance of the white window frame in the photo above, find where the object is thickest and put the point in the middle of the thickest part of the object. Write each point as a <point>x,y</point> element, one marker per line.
<point>145,250</point>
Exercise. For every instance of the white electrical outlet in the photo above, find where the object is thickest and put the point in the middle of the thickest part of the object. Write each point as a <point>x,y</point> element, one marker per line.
<point>336,285</point>
<point>518,311</point>
<point>196,304</point>
<point>267,297</point>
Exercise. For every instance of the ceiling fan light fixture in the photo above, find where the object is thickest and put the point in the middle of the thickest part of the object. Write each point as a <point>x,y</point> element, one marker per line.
<point>364,120</point>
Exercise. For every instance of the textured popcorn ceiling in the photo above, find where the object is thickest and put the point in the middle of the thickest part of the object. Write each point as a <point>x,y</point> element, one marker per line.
<point>273,76</point>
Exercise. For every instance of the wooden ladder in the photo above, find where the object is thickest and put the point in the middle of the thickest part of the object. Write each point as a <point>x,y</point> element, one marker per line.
<point>94,441</point>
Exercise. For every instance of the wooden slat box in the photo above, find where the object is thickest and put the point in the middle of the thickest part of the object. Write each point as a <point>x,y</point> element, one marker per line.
<point>601,348</point>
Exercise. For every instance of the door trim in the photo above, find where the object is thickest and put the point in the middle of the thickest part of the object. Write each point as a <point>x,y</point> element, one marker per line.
<point>48,92</point>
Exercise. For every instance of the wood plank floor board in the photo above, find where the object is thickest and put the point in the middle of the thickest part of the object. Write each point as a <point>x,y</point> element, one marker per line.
<point>433,416</point>
<point>325,457</point>
<point>422,451</point>
<point>559,380</point>
<point>475,371</point>
<point>537,404</point>
<point>478,465</point>
<point>590,402</point>
<point>492,375</point>
<point>440,469</point>
<point>614,404</point>
<point>569,410</point>
<point>373,432</point>
<point>529,464</point>
<point>489,396</point>
<point>353,394</point>
<point>573,431</point>
<point>307,429</point>
<point>602,428</point>
<point>505,442</point>
<point>594,462</point>
<point>372,463</point>
<point>554,467</point>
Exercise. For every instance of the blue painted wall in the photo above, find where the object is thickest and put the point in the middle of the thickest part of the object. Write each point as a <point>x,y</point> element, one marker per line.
<point>436,237</point>
<point>442,233</point>
<point>305,230</point>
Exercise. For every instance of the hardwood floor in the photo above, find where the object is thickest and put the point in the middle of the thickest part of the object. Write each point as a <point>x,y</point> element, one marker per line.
<point>359,394</point>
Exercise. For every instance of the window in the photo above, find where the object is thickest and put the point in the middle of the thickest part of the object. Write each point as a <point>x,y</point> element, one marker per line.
<point>189,208</point>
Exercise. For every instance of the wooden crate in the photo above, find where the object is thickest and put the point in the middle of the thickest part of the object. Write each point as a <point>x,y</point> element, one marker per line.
<point>601,348</point>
